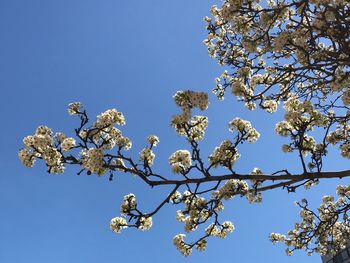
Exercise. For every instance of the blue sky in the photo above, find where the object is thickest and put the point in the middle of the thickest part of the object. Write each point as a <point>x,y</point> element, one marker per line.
<point>133,56</point>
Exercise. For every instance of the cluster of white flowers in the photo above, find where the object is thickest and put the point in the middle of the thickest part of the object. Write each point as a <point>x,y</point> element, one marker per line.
<point>341,135</point>
<point>195,128</point>
<point>67,144</point>
<point>258,40</point>
<point>270,105</point>
<point>109,118</point>
<point>40,145</point>
<point>153,140</point>
<point>103,133</point>
<point>117,224</point>
<point>345,150</point>
<point>302,117</point>
<point>74,108</point>
<point>283,128</point>
<point>93,161</point>
<point>303,113</point>
<point>226,228</point>
<point>245,128</point>
<point>180,161</point>
<point>346,97</point>
<point>187,100</point>
<point>343,191</point>
<point>276,237</point>
<point>239,89</point>
<point>201,245</point>
<point>287,148</point>
<point>147,156</point>
<point>145,223</point>
<point>191,98</point>
<point>128,204</point>
<point>26,157</point>
<point>59,136</point>
<point>231,188</point>
<point>253,196</point>
<point>179,243</point>
<point>123,142</point>
<point>175,197</point>
<point>328,234</point>
<point>198,125</point>
<point>197,210</point>
<point>225,155</point>
<point>106,138</point>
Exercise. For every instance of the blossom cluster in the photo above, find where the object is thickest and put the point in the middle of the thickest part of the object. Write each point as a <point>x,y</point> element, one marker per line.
<point>301,117</point>
<point>341,135</point>
<point>109,118</point>
<point>41,145</point>
<point>222,231</point>
<point>74,108</point>
<point>147,156</point>
<point>93,160</point>
<point>323,229</point>
<point>127,207</point>
<point>231,188</point>
<point>180,244</point>
<point>180,161</point>
<point>192,128</point>
<point>275,48</point>
<point>198,211</point>
<point>224,155</point>
<point>153,140</point>
<point>117,224</point>
<point>245,129</point>
<point>128,204</point>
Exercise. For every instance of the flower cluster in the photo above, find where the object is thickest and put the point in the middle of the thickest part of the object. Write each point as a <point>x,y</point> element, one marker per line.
<point>145,223</point>
<point>324,230</point>
<point>74,108</point>
<point>147,156</point>
<point>153,140</point>
<point>93,161</point>
<point>197,128</point>
<point>253,196</point>
<point>180,244</point>
<point>109,118</point>
<point>117,224</point>
<point>223,231</point>
<point>67,144</point>
<point>301,118</point>
<point>185,126</point>
<point>341,135</point>
<point>245,129</point>
<point>231,188</point>
<point>127,208</point>
<point>128,204</point>
<point>175,197</point>
<point>40,145</point>
<point>192,99</point>
<point>196,209</point>
<point>275,48</point>
<point>180,161</point>
<point>224,155</point>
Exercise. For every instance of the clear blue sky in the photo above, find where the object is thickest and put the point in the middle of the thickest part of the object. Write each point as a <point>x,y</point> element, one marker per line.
<point>132,55</point>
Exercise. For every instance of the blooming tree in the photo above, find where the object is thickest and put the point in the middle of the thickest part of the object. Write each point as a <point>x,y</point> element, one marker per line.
<point>290,52</point>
